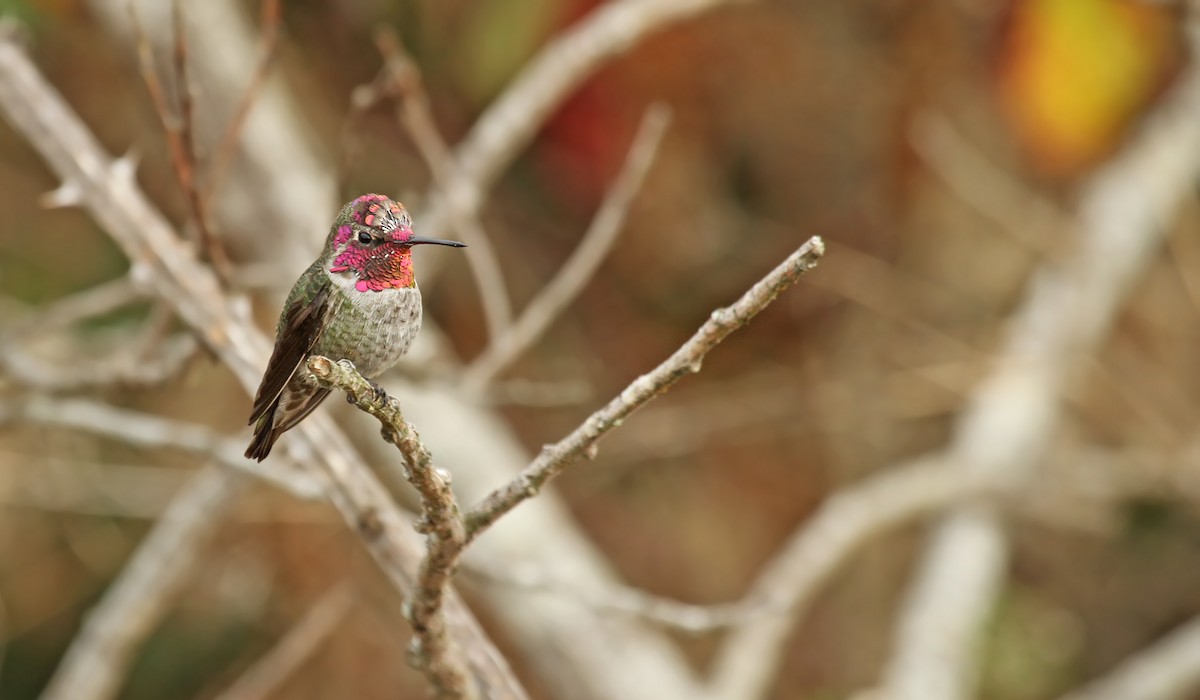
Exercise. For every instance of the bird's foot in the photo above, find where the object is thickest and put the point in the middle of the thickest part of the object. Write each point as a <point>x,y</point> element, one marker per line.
<point>381,395</point>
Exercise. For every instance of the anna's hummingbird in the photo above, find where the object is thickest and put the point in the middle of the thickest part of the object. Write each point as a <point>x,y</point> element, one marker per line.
<point>359,301</point>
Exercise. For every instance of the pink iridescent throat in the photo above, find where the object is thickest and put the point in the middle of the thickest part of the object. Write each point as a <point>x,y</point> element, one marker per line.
<point>387,266</point>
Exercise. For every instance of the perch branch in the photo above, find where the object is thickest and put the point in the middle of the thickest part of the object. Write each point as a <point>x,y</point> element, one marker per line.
<point>686,360</point>
<point>433,652</point>
<point>571,278</point>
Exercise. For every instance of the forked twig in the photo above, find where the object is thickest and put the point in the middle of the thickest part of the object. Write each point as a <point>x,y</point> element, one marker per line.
<point>686,360</point>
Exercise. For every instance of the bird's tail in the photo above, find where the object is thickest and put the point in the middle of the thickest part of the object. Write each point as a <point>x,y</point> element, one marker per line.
<point>265,435</point>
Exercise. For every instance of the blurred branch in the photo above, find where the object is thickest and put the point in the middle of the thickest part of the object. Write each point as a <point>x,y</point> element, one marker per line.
<point>581,266</point>
<point>74,486</point>
<point>415,113</point>
<point>98,300</point>
<point>967,173</point>
<point>553,459</point>
<point>99,657</point>
<point>121,367</point>
<point>145,430</point>
<point>263,679</point>
<point>1167,670</point>
<point>616,600</point>
<point>40,114</point>
<point>433,651</point>
<point>1004,431</point>
<point>271,21</point>
<point>748,659</point>
<point>570,58</point>
<point>179,130</point>
<point>110,489</point>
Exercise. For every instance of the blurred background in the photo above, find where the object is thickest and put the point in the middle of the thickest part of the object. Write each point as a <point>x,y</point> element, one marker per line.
<point>936,147</point>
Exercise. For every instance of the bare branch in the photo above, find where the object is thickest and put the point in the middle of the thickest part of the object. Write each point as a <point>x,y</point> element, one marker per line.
<point>227,147</point>
<point>210,245</point>
<point>686,360</point>
<point>97,660</point>
<point>575,273</point>
<point>264,678</point>
<point>433,652</point>
<point>414,112</point>
<point>178,130</point>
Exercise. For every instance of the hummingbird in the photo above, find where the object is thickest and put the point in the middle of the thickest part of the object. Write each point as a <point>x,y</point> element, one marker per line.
<point>358,301</point>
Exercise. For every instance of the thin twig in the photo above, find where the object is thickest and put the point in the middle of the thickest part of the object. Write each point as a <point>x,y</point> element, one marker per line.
<point>686,360</point>
<point>998,195</point>
<point>150,431</point>
<point>415,113</point>
<point>433,651</point>
<point>178,130</point>
<point>264,677</point>
<point>227,147</point>
<point>210,244</point>
<point>579,268</point>
<point>97,660</point>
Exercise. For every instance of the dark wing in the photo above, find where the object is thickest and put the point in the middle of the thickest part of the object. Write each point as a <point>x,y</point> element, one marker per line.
<point>303,322</point>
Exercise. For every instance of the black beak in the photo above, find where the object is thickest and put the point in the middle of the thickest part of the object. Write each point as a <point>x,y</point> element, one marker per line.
<point>417,240</point>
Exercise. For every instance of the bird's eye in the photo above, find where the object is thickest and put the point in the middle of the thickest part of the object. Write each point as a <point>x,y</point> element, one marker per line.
<point>364,237</point>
